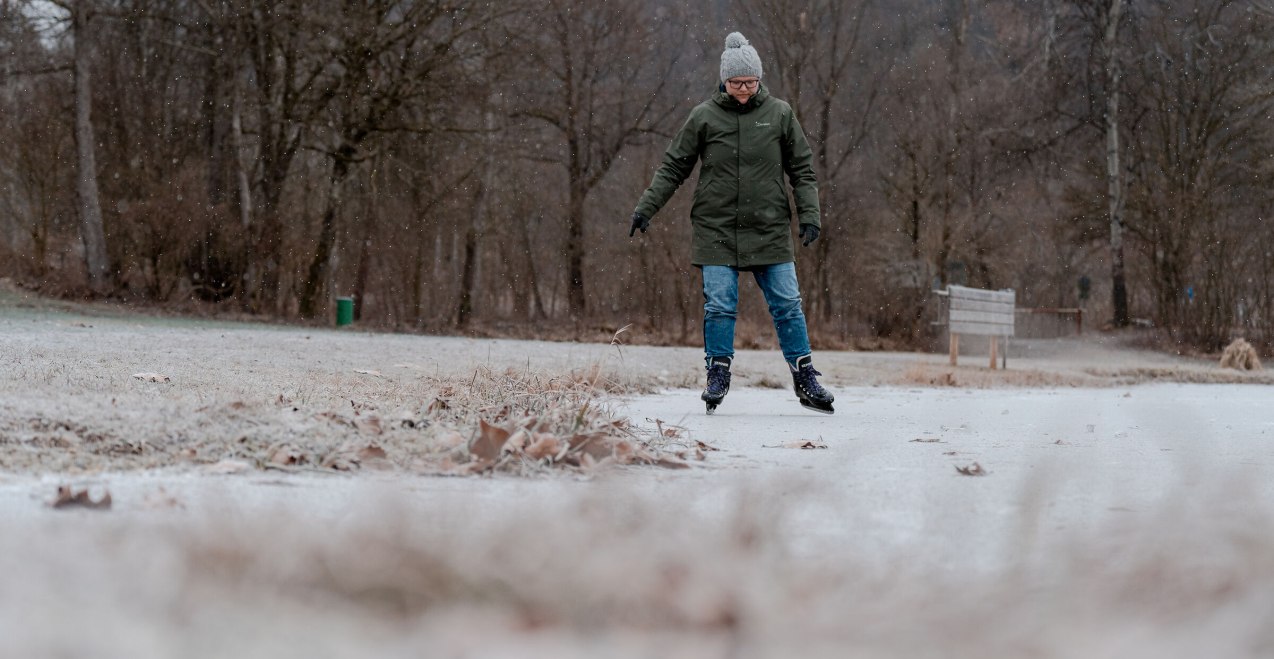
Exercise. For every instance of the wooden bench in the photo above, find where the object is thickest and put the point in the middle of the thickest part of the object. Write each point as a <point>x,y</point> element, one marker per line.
<point>980,312</point>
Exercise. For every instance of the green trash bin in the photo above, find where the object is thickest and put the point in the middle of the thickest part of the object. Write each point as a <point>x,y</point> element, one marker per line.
<point>344,311</point>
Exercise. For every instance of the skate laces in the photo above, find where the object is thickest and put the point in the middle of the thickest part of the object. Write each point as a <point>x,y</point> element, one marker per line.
<point>805,377</point>
<point>718,376</point>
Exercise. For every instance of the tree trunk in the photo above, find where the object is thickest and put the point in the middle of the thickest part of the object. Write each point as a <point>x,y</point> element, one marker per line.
<point>1114,182</point>
<point>240,171</point>
<point>361,271</point>
<point>91,230</point>
<point>477,221</point>
<point>575,253</point>
<point>316,280</point>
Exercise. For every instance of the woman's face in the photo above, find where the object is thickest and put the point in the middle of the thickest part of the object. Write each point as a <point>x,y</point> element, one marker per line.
<point>742,88</point>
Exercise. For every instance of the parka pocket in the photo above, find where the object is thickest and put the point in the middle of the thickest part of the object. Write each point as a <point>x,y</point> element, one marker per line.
<point>701,191</point>
<point>780,198</point>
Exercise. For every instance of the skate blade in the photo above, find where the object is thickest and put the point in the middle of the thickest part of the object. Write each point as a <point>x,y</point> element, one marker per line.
<point>829,411</point>
<point>712,409</point>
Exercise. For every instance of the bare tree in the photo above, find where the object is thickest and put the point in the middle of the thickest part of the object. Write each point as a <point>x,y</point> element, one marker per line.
<point>1114,182</point>
<point>1199,177</point>
<point>604,79</point>
<point>392,53</point>
<point>92,233</point>
<point>826,67</point>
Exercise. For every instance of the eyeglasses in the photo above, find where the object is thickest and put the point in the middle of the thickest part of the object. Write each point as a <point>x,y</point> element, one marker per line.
<point>743,84</point>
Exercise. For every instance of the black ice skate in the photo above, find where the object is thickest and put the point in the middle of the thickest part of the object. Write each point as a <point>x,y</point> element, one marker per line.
<point>811,394</point>
<point>718,383</point>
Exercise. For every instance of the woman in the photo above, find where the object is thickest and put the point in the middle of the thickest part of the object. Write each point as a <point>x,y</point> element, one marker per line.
<point>747,141</point>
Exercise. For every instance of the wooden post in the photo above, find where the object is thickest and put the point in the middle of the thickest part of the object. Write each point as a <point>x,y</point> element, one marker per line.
<point>993,355</point>
<point>955,347</point>
<point>1079,322</point>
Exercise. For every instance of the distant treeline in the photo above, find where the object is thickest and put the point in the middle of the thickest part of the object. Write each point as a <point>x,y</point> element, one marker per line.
<point>472,165</point>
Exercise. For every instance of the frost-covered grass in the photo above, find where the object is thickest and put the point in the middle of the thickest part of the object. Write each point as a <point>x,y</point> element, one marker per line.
<point>83,394</point>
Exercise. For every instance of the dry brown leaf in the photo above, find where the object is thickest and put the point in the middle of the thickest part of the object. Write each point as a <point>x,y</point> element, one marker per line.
<point>927,440</point>
<point>671,432</point>
<point>544,446</point>
<point>369,424</point>
<point>974,469</point>
<point>372,452</point>
<point>800,444</point>
<point>69,498</point>
<point>340,462</point>
<point>152,377</point>
<point>592,444</point>
<point>286,455</point>
<point>517,442</point>
<point>490,440</point>
<point>669,463</point>
<point>335,417</point>
<point>705,447</point>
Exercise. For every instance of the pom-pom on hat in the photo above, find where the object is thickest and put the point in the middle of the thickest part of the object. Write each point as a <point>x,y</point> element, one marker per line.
<point>739,59</point>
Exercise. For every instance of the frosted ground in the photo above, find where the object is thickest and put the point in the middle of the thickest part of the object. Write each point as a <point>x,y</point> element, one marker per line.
<point>1124,506</point>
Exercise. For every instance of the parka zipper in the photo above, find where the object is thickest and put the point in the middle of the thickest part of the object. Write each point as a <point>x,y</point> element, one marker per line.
<point>738,179</point>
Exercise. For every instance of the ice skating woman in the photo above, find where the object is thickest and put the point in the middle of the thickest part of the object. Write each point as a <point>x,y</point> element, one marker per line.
<point>748,141</point>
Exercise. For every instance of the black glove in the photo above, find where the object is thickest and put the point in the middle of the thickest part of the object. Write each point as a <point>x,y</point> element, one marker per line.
<point>639,222</point>
<point>808,234</point>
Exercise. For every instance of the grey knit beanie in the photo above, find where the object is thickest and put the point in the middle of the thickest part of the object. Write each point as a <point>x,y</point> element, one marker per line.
<point>739,58</point>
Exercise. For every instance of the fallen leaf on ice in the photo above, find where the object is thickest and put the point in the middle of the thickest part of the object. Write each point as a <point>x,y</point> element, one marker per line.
<point>361,371</point>
<point>974,469</point>
<point>800,443</point>
<point>591,444</point>
<point>927,440</point>
<point>705,447</point>
<point>152,377</point>
<point>69,498</point>
<point>486,446</point>
<point>670,431</point>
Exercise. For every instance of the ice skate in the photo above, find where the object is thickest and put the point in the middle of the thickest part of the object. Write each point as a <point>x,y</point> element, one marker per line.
<point>718,383</point>
<point>811,394</point>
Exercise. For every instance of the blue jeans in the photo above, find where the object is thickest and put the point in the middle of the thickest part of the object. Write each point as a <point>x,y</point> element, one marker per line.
<point>721,304</point>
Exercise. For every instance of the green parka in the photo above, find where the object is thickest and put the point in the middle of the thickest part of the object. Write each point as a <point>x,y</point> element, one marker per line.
<point>741,216</point>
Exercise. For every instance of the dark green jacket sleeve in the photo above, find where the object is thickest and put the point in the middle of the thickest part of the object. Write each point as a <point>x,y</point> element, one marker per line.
<point>798,162</point>
<point>679,161</point>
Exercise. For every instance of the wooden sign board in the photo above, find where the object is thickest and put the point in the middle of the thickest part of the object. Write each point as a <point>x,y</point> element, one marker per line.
<point>980,312</point>
<point>977,311</point>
